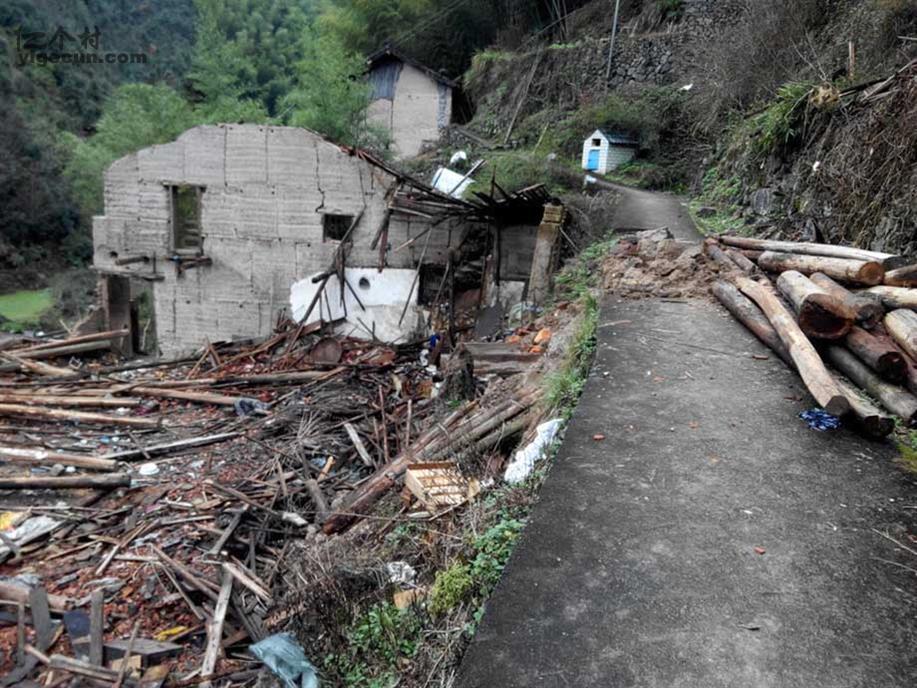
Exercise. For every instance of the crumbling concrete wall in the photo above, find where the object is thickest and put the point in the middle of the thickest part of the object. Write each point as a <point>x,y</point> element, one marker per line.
<point>265,191</point>
<point>421,108</point>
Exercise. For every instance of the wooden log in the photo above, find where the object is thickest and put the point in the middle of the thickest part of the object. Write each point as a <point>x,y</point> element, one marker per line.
<point>68,401</point>
<point>856,271</point>
<point>902,326</point>
<point>56,352</point>
<point>108,481</point>
<point>169,447</point>
<point>19,592</point>
<point>884,359</point>
<point>187,395</point>
<point>895,297</point>
<point>866,417</point>
<point>747,313</point>
<point>40,457</point>
<point>82,339</point>
<point>718,256</point>
<point>745,264</point>
<point>905,276</point>
<point>809,364</point>
<point>887,260</point>
<point>818,313</point>
<point>215,628</point>
<point>76,416</point>
<point>868,311</point>
<point>18,363</point>
<point>897,400</point>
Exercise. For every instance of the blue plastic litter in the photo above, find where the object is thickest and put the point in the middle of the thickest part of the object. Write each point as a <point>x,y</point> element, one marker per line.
<point>283,655</point>
<point>821,420</point>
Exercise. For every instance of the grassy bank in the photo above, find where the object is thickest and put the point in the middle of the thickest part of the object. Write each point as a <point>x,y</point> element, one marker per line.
<point>23,309</point>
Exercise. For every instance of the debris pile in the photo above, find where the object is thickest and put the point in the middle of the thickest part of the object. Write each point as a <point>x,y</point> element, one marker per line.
<point>149,509</point>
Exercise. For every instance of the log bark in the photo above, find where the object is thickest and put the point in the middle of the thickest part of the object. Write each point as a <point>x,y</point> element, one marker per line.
<point>882,358</point>
<point>40,457</point>
<point>78,416</point>
<point>887,260</point>
<point>867,310</point>
<point>895,297</point>
<point>108,481</point>
<point>740,259</point>
<point>818,313</point>
<point>902,277</point>
<point>896,399</point>
<point>747,313</point>
<point>856,271</point>
<point>902,326</point>
<point>718,256</point>
<point>866,417</point>
<point>809,364</point>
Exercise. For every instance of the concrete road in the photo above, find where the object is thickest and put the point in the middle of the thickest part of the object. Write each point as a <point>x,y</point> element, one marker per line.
<point>713,539</point>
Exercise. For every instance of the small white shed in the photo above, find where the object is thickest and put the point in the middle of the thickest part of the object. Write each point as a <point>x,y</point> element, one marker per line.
<point>604,151</point>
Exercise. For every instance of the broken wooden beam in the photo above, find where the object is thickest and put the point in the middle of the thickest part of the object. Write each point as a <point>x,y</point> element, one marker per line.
<point>868,311</point>
<point>68,401</point>
<point>75,416</point>
<point>41,457</point>
<point>855,271</point>
<point>108,481</point>
<point>809,364</point>
<point>886,260</point>
<point>819,314</point>
<point>169,447</point>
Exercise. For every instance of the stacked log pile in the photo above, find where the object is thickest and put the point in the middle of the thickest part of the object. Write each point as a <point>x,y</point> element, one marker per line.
<point>842,317</point>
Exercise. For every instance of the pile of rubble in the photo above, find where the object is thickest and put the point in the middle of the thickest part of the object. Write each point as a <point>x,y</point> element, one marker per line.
<point>148,508</point>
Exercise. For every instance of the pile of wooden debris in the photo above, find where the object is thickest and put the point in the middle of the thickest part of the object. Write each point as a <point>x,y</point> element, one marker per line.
<point>842,317</point>
<point>148,507</point>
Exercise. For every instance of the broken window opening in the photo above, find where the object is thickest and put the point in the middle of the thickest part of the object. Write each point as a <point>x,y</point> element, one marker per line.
<point>597,143</point>
<point>334,227</point>
<point>186,218</point>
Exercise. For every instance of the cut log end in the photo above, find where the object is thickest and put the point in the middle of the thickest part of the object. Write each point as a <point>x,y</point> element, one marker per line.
<point>819,318</point>
<point>837,405</point>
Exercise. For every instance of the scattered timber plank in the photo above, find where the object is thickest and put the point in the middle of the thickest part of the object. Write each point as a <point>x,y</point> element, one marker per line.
<point>897,400</point>
<point>41,457</point>
<point>96,626</point>
<point>107,481</point>
<point>147,650</point>
<point>82,339</point>
<point>358,443</point>
<point>73,401</point>
<point>868,311</point>
<point>895,297</point>
<point>187,395</point>
<point>887,260</point>
<point>76,416</point>
<point>215,628</point>
<point>880,356</point>
<point>902,326</point>
<point>855,271</point>
<point>809,364</point>
<point>747,313</point>
<point>818,313</point>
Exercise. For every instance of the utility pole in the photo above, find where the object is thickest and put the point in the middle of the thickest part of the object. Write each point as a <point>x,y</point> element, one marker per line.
<point>611,47</point>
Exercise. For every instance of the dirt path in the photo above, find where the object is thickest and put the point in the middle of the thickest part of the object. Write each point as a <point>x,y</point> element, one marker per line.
<point>712,539</point>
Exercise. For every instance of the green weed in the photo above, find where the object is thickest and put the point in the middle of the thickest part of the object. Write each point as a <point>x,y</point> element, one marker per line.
<point>782,121</point>
<point>450,587</point>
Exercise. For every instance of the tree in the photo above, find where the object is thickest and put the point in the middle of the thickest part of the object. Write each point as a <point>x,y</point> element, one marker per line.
<point>331,96</point>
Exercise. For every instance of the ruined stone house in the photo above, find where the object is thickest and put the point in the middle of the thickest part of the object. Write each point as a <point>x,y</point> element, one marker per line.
<point>412,102</point>
<point>229,224</point>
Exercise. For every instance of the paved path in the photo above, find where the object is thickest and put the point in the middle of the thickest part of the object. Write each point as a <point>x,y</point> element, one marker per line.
<point>638,566</point>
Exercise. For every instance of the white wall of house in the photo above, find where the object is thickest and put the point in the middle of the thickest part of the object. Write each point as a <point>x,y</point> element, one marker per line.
<point>610,155</point>
<point>421,108</point>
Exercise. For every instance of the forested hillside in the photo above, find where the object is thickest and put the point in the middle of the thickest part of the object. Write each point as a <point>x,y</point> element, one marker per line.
<point>188,62</point>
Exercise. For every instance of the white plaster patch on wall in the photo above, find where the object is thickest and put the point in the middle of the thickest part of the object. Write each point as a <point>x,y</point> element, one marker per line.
<point>383,296</point>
